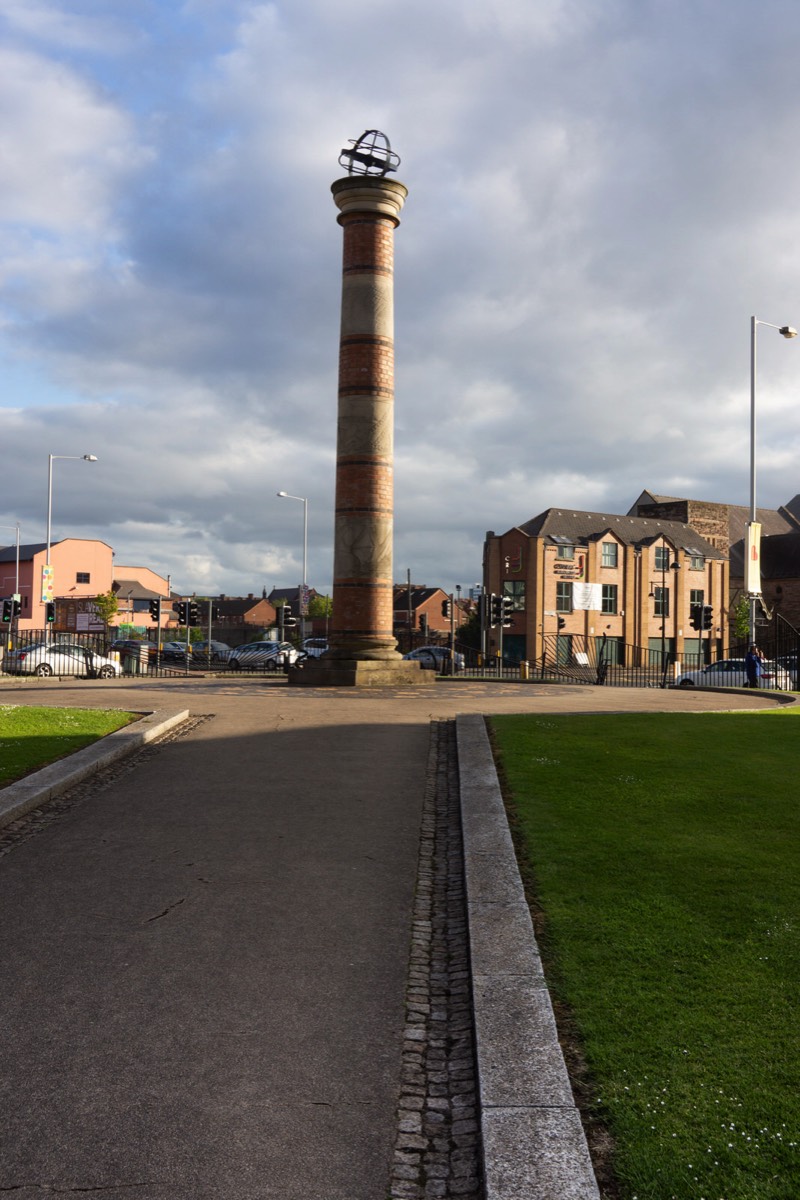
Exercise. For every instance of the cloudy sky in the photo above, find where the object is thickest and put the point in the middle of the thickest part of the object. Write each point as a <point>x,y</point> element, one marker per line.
<point>601,194</point>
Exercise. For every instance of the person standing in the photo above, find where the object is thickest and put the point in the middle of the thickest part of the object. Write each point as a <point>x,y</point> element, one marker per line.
<point>753,666</point>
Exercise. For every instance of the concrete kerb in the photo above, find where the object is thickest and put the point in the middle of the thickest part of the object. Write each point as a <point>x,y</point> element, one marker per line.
<point>534,1146</point>
<point>19,798</point>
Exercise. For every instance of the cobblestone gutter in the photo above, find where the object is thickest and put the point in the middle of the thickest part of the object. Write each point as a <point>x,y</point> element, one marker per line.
<point>437,1152</point>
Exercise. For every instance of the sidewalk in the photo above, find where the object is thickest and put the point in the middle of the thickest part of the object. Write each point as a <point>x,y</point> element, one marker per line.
<point>205,958</point>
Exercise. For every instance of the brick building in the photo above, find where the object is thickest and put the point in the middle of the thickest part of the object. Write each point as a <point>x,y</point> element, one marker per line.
<point>423,607</point>
<point>724,526</point>
<point>575,578</point>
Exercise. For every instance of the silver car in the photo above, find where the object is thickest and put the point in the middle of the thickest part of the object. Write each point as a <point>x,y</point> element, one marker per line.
<point>730,672</point>
<point>436,658</point>
<point>264,656</point>
<point>60,658</point>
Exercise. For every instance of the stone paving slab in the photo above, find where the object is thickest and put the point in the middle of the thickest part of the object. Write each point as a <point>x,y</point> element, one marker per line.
<point>536,1152</point>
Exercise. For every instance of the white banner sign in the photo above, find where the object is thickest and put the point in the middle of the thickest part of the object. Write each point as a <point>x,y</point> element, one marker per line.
<point>752,559</point>
<point>587,596</point>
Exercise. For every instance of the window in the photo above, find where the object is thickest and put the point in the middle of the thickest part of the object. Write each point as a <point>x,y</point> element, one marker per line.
<point>563,597</point>
<point>662,558</point>
<point>565,552</point>
<point>661,595</point>
<point>609,598</point>
<point>83,577</point>
<point>610,555</point>
<point>697,596</point>
<point>514,589</point>
<point>696,562</point>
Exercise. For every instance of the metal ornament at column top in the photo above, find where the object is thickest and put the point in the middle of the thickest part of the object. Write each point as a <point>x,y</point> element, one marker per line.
<point>371,154</point>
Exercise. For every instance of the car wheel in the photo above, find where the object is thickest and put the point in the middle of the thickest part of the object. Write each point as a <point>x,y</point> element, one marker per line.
<point>106,673</point>
<point>43,669</point>
<point>271,664</point>
<point>235,665</point>
<point>687,683</point>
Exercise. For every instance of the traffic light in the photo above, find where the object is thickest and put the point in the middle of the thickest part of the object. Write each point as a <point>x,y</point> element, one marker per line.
<point>155,610</point>
<point>447,609</point>
<point>17,607</point>
<point>193,613</point>
<point>181,609</point>
<point>562,622</point>
<point>50,611</point>
<point>497,616</point>
<point>289,621</point>
<point>505,612</point>
<point>708,616</point>
<point>696,616</point>
<point>423,622</point>
<point>8,611</point>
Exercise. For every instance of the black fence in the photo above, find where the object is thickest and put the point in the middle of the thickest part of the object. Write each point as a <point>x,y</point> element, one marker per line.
<point>576,659</point>
<point>44,653</point>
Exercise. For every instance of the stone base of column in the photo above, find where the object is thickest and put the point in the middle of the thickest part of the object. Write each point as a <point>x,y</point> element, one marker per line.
<point>370,673</point>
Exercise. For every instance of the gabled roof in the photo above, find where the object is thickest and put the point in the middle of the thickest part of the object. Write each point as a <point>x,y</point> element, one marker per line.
<point>237,606</point>
<point>418,595</point>
<point>26,552</point>
<point>134,589</point>
<point>290,595</point>
<point>578,528</point>
<point>648,497</point>
<point>9,553</point>
<point>773,521</point>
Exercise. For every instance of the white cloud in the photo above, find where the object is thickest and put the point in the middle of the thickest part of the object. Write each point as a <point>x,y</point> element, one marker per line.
<point>599,197</point>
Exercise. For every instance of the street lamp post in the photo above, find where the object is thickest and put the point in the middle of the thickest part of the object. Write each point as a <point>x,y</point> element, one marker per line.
<point>752,565</point>
<point>303,500</point>
<point>51,458</point>
<point>672,566</point>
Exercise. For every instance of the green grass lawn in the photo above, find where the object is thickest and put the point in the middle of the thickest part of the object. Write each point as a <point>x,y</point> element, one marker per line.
<point>33,737</point>
<point>662,853</point>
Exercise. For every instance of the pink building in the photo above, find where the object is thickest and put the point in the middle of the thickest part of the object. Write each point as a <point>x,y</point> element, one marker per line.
<point>79,569</point>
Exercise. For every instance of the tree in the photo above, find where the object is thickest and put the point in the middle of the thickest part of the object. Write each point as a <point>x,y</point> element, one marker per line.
<point>320,606</point>
<point>107,607</point>
<point>740,619</point>
<point>469,633</point>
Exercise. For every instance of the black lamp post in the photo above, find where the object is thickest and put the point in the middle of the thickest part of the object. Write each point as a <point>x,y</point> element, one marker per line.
<point>672,566</point>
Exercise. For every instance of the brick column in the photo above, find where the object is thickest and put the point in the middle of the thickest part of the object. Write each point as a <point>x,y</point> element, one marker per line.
<point>362,564</point>
<point>363,649</point>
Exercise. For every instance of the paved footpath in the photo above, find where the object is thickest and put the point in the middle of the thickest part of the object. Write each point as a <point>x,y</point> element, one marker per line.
<point>205,957</point>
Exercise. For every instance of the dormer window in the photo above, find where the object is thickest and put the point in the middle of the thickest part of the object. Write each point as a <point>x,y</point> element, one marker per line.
<point>610,554</point>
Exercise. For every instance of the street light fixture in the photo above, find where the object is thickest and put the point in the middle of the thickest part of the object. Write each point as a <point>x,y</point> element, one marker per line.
<point>51,457</point>
<point>303,500</point>
<point>752,565</point>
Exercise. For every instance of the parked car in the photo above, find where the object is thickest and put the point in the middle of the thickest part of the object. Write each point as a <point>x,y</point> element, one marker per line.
<point>436,658</point>
<point>730,672</point>
<point>267,656</point>
<point>789,663</point>
<point>215,652</point>
<point>173,652</point>
<point>60,658</point>
<point>315,647</point>
<point>136,644</point>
